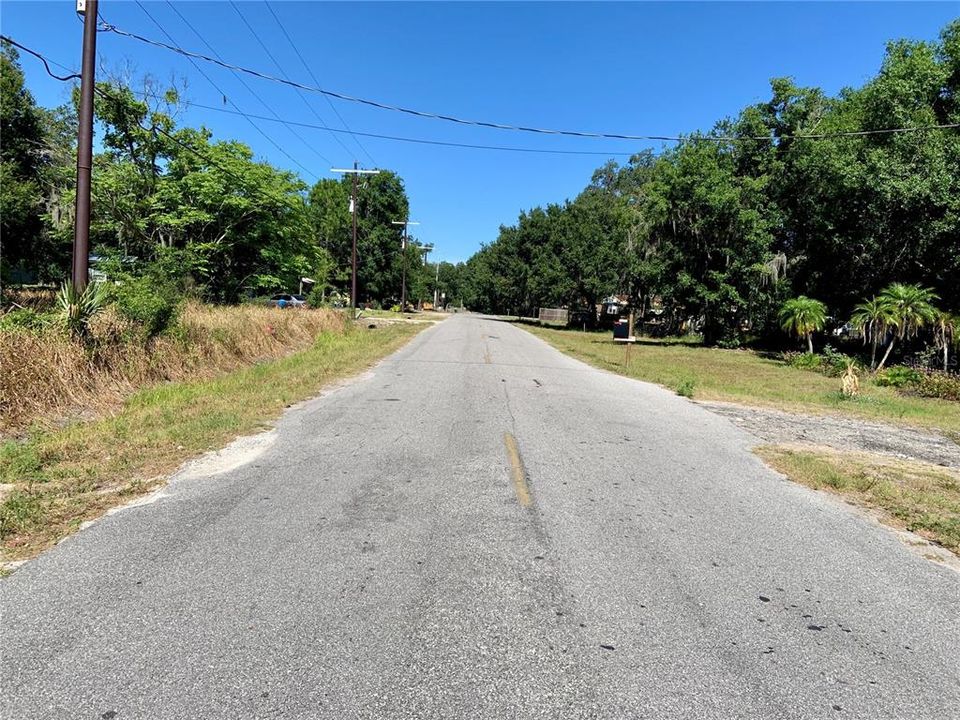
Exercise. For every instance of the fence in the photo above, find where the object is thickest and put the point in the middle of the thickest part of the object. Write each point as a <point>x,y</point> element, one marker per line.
<point>559,316</point>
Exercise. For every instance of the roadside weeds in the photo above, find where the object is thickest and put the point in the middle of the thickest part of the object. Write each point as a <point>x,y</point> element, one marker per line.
<point>916,496</point>
<point>746,377</point>
<point>902,492</point>
<point>58,479</point>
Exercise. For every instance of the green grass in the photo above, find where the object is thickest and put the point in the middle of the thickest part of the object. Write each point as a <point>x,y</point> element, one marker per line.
<point>747,377</point>
<point>923,498</point>
<point>426,315</point>
<point>61,478</point>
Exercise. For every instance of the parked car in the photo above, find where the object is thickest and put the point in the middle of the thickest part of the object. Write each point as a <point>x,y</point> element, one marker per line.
<point>287,300</point>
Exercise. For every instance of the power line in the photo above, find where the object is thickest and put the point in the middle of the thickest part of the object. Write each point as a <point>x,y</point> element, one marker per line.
<point>378,136</point>
<point>421,141</point>
<point>256,37</point>
<point>249,89</point>
<point>46,63</point>
<point>152,129</point>
<point>317,82</point>
<point>518,128</point>
<point>203,156</point>
<point>224,96</point>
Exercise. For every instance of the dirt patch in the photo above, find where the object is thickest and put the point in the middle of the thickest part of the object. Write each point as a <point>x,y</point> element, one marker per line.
<point>777,427</point>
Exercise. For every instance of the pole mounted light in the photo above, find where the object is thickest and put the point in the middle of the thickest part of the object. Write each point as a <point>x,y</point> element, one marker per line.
<point>403,247</point>
<point>355,171</point>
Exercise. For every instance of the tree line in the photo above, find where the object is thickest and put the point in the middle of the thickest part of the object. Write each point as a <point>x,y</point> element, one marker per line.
<point>713,235</point>
<point>194,214</point>
<point>785,199</point>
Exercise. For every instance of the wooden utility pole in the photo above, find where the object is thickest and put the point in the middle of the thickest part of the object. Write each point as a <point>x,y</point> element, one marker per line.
<point>81,227</point>
<point>353,211</point>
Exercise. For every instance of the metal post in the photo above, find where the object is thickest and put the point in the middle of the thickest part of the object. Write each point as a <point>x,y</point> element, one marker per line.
<point>436,286</point>
<point>403,292</point>
<point>81,228</point>
<point>353,282</point>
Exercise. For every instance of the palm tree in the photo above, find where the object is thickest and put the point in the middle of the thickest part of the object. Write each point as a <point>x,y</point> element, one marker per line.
<point>911,307</point>
<point>945,328</point>
<point>874,318</point>
<point>802,316</point>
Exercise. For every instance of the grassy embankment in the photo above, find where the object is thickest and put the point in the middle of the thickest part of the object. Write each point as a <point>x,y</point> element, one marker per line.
<point>55,478</point>
<point>923,498</point>
<point>920,497</point>
<point>747,377</point>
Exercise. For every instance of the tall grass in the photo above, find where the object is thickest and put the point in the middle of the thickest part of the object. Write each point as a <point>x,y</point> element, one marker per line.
<point>57,478</point>
<point>47,376</point>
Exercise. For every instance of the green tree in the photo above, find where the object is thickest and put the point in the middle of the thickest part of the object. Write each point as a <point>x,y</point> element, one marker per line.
<point>802,316</point>
<point>911,308</point>
<point>945,334</point>
<point>33,153</point>
<point>874,318</point>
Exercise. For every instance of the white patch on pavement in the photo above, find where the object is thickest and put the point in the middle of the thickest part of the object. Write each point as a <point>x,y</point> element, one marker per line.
<point>136,502</point>
<point>237,454</point>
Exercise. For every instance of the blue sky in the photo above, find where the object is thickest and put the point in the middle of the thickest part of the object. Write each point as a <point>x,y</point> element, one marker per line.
<point>639,68</point>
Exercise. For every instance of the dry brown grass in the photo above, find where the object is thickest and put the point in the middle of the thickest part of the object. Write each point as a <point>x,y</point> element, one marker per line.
<point>56,479</point>
<point>48,377</point>
<point>917,496</point>
<point>33,298</point>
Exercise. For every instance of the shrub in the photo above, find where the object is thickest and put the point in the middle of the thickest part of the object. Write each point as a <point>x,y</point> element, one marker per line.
<point>317,297</point>
<point>834,363</point>
<point>25,319</point>
<point>897,376</point>
<point>831,363</point>
<point>141,300</point>
<point>685,388</point>
<point>803,361</point>
<point>78,307</point>
<point>937,384</point>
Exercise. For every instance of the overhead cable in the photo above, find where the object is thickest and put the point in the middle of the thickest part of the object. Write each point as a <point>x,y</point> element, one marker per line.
<point>248,88</point>
<point>107,96</point>
<point>256,36</point>
<point>502,126</point>
<point>313,77</point>
<point>224,95</point>
<point>420,141</point>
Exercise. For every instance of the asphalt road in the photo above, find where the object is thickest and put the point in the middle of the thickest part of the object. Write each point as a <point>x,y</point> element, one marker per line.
<point>388,557</point>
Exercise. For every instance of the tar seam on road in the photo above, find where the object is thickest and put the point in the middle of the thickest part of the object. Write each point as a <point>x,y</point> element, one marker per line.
<point>487,359</point>
<point>516,470</point>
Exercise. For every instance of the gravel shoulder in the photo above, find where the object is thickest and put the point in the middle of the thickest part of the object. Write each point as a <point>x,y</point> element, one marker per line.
<point>841,433</point>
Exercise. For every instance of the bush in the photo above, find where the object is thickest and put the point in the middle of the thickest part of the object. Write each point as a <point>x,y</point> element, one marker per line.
<point>803,361</point>
<point>78,307</point>
<point>685,388</point>
<point>25,319</point>
<point>897,376</point>
<point>832,363</point>
<point>143,301</point>
<point>317,297</point>
<point>936,384</point>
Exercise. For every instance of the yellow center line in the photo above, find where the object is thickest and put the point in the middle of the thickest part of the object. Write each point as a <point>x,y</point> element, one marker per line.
<point>516,470</point>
